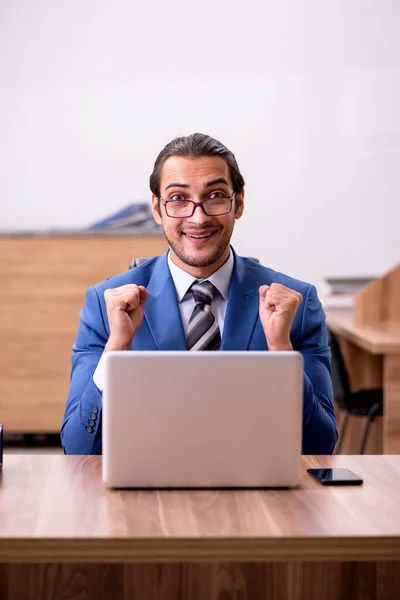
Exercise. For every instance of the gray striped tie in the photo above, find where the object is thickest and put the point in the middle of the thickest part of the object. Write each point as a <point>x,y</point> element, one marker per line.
<point>203,331</point>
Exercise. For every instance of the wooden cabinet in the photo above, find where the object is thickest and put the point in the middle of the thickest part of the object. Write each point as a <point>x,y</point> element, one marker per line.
<point>43,284</point>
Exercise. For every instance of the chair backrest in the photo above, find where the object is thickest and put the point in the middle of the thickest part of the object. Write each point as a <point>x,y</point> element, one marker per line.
<point>135,262</point>
<point>340,378</point>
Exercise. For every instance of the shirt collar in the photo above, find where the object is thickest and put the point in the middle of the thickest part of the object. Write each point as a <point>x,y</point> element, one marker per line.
<point>183,280</point>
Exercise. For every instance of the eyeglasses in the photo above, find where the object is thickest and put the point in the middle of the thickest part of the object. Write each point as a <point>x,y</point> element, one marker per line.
<point>212,207</point>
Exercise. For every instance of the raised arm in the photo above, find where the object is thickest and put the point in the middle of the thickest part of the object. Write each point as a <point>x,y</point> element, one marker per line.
<point>81,428</point>
<point>278,308</point>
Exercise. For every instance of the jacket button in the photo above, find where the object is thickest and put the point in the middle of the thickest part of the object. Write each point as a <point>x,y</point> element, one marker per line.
<point>91,422</point>
<point>95,409</point>
<point>89,429</point>
<point>93,415</point>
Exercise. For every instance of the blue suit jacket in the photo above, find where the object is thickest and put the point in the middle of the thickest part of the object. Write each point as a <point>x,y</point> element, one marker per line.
<point>162,330</point>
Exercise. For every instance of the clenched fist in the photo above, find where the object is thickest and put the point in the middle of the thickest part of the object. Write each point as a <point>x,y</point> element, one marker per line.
<point>278,307</point>
<point>125,309</point>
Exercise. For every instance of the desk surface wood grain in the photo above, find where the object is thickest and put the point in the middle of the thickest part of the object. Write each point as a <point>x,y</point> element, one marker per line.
<point>382,339</point>
<point>55,508</point>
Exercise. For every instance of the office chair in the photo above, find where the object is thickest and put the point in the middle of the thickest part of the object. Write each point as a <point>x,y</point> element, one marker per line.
<point>365,403</point>
<point>135,262</point>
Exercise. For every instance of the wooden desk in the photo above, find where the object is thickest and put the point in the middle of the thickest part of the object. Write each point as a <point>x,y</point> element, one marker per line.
<point>372,356</point>
<point>63,535</point>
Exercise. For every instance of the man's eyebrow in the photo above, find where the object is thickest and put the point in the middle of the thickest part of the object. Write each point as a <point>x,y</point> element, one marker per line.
<point>215,181</point>
<point>206,185</point>
<point>181,185</point>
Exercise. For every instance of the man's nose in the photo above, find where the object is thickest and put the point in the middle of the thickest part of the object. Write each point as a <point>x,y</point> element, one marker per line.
<point>199,216</point>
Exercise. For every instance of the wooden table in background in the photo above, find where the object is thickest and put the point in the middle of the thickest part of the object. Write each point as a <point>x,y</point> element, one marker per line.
<point>43,290</point>
<point>372,357</point>
<point>63,535</point>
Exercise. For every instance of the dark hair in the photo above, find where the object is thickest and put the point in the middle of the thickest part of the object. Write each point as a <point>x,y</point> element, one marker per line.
<point>196,146</point>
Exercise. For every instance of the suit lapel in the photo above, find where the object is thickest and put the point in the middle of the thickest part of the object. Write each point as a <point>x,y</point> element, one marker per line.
<point>164,320</point>
<point>162,310</point>
<point>242,309</point>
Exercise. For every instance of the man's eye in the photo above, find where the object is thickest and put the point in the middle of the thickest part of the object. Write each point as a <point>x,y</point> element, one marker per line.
<point>216,195</point>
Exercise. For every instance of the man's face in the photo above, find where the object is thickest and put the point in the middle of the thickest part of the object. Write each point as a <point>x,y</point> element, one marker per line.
<point>200,243</point>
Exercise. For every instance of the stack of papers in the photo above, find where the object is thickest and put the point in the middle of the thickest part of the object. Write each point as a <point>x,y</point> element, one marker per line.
<point>341,290</point>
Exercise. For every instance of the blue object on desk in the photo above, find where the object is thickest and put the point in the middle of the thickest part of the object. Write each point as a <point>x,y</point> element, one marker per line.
<point>133,214</point>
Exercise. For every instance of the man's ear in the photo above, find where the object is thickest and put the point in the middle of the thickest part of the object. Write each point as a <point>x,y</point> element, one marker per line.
<point>155,209</point>
<point>239,208</point>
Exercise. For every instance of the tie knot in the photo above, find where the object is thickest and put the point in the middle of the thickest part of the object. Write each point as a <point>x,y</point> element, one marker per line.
<point>203,292</point>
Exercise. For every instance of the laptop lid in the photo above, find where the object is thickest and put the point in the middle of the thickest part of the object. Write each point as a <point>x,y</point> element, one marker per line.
<point>202,419</point>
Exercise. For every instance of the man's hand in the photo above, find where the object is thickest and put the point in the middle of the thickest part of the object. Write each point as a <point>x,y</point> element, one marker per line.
<point>278,307</point>
<point>125,309</point>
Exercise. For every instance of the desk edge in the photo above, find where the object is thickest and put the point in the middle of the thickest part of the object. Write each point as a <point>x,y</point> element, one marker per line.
<point>100,550</point>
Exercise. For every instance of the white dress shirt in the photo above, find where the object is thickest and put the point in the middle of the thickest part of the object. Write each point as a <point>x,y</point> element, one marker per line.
<point>221,279</point>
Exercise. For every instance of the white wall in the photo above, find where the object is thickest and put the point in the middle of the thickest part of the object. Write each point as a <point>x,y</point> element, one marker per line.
<point>306,93</point>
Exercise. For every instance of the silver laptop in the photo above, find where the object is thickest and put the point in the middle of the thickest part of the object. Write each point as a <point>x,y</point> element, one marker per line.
<point>202,419</point>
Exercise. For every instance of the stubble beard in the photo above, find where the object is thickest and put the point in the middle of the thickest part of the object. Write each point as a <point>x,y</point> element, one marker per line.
<point>200,261</point>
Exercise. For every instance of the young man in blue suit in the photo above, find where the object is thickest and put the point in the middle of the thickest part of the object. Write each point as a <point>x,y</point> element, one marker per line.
<point>199,296</point>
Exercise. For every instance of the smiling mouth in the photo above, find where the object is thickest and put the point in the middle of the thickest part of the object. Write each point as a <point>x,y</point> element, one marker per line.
<point>199,236</point>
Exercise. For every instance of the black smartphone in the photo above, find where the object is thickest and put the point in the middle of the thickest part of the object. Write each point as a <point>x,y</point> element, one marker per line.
<point>335,476</point>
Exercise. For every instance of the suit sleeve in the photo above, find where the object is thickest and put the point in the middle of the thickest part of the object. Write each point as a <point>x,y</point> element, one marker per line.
<point>319,422</point>
<point>81,428</point>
